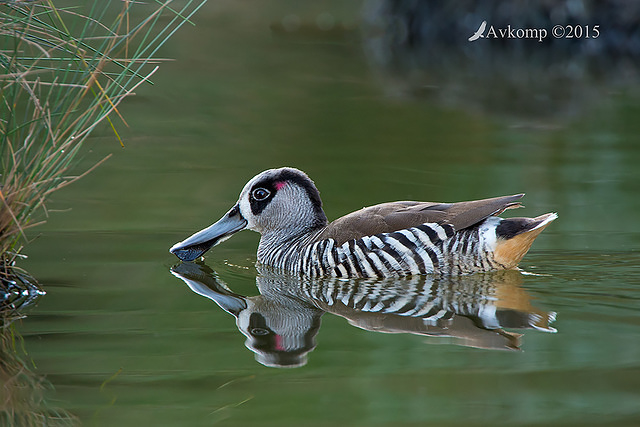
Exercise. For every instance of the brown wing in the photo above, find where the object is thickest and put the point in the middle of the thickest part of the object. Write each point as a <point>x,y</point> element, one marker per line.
<point>394,216</point>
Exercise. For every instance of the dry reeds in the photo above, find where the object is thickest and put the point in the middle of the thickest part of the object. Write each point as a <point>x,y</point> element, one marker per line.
<point>63,71</point>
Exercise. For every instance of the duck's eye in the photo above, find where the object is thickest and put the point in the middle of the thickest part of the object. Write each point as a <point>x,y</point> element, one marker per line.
<point>260,193</point>
<point>259,331</point>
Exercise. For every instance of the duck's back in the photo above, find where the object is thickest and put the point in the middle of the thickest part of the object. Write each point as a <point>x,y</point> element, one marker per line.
<point>404,238</point>
<point>394,216</point>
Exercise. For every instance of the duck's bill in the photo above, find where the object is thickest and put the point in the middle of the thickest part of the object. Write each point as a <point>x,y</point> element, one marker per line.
<point>199,243</point>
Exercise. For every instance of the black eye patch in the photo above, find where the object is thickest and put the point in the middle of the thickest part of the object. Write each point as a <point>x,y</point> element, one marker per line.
<point>260,196</point>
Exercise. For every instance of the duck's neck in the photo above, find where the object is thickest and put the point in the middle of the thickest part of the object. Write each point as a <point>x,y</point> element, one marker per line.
<point>285,250</point>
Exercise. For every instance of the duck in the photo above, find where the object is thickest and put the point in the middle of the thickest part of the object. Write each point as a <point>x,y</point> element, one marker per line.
<point>392,239</point>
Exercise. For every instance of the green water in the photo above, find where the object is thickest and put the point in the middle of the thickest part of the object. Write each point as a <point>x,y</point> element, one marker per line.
<point>121,341</point>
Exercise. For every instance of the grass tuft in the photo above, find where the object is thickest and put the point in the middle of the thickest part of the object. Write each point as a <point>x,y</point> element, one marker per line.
<point>63,71</point>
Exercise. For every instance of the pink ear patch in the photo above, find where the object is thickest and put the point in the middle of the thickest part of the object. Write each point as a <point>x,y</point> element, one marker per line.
<point>279,343</point>
<point>280,184</point>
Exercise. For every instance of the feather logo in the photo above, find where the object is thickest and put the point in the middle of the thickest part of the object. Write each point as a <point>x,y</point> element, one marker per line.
<point>478,34</point>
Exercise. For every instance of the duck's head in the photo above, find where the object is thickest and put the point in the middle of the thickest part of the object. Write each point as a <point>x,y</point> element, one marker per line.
<point>280,202</point>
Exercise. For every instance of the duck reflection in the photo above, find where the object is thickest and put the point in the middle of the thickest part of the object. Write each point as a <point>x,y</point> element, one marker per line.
<point>282,321</point>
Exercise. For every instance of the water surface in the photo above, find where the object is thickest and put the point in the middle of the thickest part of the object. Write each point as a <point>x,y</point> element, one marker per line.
<point>119,340</point>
